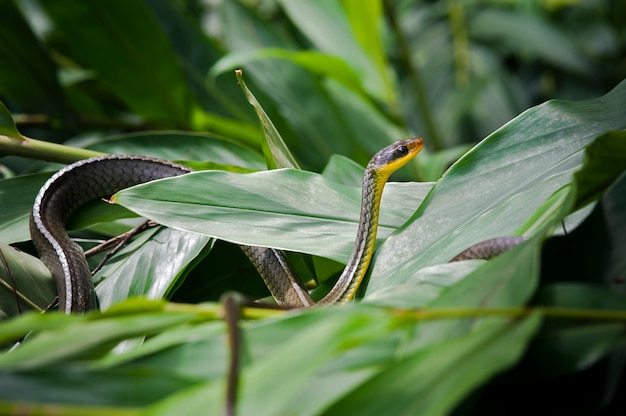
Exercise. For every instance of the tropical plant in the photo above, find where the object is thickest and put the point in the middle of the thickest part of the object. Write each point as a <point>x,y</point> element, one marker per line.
<point>514,334</point>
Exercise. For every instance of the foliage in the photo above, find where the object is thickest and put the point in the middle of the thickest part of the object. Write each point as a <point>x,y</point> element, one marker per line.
<point>429,337</point>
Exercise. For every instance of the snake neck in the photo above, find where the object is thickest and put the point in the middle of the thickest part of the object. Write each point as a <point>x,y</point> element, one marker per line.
<point>356,268</point>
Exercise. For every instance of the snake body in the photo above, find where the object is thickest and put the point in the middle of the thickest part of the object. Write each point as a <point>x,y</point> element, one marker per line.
<point>99,177</point>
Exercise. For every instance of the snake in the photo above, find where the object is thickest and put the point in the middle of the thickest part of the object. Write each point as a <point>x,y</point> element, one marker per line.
<point>98,177</point>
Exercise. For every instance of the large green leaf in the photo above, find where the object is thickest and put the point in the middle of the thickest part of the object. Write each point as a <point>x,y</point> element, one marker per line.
<point>149,266</point>
<point>499,184</point>
<point>99,335</point>
<point>364,17</point>
<point>344,35</point>
<point>439,376</point>
<point>66,385</point>
<point>276,152</point>
<point>263,209</point>
<point>25,283</point>
<point>316,117</point>
<point>573,258</point>
<point>17,194</point>
<point>361,345</point>
<point>318,63</point>
<point>179,145</point>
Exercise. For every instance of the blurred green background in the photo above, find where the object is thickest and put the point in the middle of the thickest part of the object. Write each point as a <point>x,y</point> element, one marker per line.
<point>343,77</point>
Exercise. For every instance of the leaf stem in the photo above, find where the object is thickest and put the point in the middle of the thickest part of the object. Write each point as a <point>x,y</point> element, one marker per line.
<point>32,408</point>
<point>265,310</point>
<point>37,149</point>
<point>460,43</point>
<point>551,312</point>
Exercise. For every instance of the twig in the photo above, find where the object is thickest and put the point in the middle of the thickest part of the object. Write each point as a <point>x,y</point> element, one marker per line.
<point>117,243</point>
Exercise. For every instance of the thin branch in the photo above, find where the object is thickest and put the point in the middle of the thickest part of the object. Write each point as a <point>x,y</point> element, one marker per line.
<point>117,243</point>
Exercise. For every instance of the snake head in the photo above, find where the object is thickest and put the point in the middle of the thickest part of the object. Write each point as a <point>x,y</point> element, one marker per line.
<point>394,156</point>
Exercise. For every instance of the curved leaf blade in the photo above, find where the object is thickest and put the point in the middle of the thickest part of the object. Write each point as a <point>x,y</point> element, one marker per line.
<point>7,124</point>
<point>276,152</point>
<point>264,209</point>
<point>316,62</point>
<point>440,376</point>
<point>16,197</point>
<point>502,181</point>
<point>26,283</point>
<point>149,266</point>
<point>181,145</point>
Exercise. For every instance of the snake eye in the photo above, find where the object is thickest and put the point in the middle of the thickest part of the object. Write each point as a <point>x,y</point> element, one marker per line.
<point>402,151</point>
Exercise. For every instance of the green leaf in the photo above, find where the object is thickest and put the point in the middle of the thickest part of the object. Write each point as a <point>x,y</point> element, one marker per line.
<point>579,295</point>
<point>433,165</point>
<point>12,330</point>
<point>149,266</point>
<point>276,152</point>
<point>366,21</point>
<point>605,160</point>
<point>245,133</point>
<point>321,341</point>
<point>318,334</point>
<point>424,286</point>
<point>262,208</point>
<point>317,63</point>
<point>338,39</point>
<point>130,53</point>
<point>84,339</point>
<point>66,385</point>
<point>432,381</point>
<point>178,145</point>
<point>26,283</point>
<point>499,184</point>
<point>17,196</point>
<point>185,344</point>
<point>343,170</point>
<point>7,124</point>
<point>224,109</point>
<point>594,251</point>
<point>507,281</point>
<point>315,117</point>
